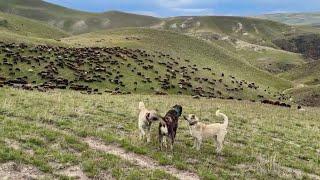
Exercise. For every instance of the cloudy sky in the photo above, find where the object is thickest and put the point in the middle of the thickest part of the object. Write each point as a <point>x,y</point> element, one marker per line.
<point>165,8</point>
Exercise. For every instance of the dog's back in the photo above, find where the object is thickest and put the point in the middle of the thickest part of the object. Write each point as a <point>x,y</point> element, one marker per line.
<point>171,119</point>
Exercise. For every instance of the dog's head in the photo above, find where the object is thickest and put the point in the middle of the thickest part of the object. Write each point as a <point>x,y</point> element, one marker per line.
<point>192,119</point>
<point>153,116</point>
<point>178,109</point>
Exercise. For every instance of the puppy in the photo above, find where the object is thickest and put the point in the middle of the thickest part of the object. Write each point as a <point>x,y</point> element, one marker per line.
<point>146,117</point>
<point>169,125</point>
<point>201,131</point>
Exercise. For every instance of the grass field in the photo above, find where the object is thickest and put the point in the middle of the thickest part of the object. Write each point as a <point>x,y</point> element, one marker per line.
<point>263,141</point>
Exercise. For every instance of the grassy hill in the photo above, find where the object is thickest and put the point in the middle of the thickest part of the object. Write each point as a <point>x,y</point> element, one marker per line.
<point>252,30</point>
<point>138,63</point>
<point>306,74</point>
<point>295,18</point>
<point>73,21</point>
<point>28,28</point>
<point>268,59</point>
<point>187,47</point>
<point>308,95</point>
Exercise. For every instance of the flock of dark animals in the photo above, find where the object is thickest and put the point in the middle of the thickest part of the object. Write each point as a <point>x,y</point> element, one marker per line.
<point>118,70</point>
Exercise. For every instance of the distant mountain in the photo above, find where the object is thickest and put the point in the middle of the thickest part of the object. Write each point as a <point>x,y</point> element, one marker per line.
<point>252,30</point>
<point>73,21</point>
<point>295,18</point>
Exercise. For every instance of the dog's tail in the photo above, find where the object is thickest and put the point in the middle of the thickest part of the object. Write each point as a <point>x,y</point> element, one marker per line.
<point>141,105</point>
<point>225,118</point>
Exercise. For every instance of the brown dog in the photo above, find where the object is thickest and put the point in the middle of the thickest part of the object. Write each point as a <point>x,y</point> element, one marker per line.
<point>168,127</point>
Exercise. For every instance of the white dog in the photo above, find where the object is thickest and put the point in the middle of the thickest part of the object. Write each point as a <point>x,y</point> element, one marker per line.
<point>146,117</point>
<point>201,131</point>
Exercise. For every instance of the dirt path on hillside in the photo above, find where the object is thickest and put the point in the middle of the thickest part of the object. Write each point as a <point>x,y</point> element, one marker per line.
<point>140,160</point>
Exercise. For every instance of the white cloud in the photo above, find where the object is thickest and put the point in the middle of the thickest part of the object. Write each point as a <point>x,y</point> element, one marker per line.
<point>174,3</point>
<point>193,11</point>
<point>147,13</point>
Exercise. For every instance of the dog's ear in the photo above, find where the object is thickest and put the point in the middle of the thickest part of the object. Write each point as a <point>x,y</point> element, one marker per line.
<point>147,116</point>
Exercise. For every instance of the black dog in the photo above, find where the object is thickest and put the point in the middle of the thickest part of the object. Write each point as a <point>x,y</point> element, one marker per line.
<point>169,125</point>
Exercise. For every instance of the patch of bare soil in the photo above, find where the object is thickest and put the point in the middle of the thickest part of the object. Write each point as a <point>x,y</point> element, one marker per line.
<point>104,175</point>
<point>16,146</point>
<point>140,160</point>
<point>74,172</point>
<point>12,170</point>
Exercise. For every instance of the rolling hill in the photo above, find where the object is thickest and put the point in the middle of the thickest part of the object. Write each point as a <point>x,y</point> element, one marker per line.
<point>252,30</point>
<point>73,21</point>
<point>187,47</point>
<point>312,19</point>
<point>28,28</point>
<point>308,74</point>
<point>137,63</point>
<point>237,47</point>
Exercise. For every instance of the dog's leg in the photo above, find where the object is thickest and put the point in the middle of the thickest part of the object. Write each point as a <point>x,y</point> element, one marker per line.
<point>220,139</point>
<point>199,142</point>
<point>194,143</point>
<point>148,134</point>
<point>165,142</point>
<point>142,133</point>
<point>171,142</point>
<point>160,141</point>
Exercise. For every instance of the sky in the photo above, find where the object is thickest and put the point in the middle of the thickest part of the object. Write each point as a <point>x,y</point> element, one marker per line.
<point>167,8</point>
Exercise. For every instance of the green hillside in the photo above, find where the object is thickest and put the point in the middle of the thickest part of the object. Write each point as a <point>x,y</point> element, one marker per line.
<point>295,18</point>
<point>307,74</point>
<point>28,28</point>
<point>139,61</point>
<point>71,20</point>
<point>252,30</point>
<point>198,51</point>
<point>268,59</point>
<point>307,95</point>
